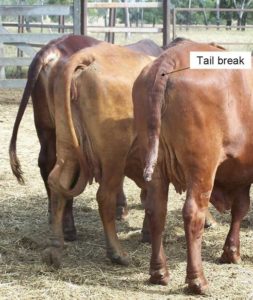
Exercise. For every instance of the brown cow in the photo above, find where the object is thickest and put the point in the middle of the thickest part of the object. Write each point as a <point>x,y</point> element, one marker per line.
<point>194,130</point>
<point>94,133</point>
<point>38,87</point>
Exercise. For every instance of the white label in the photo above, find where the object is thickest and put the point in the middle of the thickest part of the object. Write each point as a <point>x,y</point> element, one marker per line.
<point>220,60</point>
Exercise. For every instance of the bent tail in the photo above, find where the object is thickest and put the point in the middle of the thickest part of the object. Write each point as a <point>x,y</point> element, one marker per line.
<point>65,90</point>
<point>155,100</point>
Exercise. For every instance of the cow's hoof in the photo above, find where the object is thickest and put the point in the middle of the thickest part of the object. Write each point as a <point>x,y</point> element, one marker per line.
<point>52,257</point>
<point>159,276</point>
<point>230,256</point>
<point>197,285</point>
<point>120,260</point>
<point>70,235</point>
<point>121,213</point>
<point>145,237</point>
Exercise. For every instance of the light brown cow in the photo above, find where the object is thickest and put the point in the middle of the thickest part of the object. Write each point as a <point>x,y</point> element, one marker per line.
<point>38,88</point>
<point>94,133</point>
<point>194,131</point>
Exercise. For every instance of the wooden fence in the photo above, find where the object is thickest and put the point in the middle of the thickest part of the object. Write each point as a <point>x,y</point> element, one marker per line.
<point>27,42</point>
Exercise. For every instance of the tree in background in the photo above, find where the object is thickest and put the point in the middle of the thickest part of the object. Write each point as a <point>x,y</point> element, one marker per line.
<point>137,16</point>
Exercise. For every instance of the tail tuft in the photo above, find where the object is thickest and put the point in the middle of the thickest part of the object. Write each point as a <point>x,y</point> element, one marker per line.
<point>16,168</point>
<point>148,172</point>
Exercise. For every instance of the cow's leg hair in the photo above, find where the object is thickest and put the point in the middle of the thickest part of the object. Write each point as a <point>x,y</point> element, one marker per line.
<point>194,211</point>
<point>240,207</point>
<point>46,161</point>
<point>156,210</point>
<point>52,255</point>
<point>106,197</point>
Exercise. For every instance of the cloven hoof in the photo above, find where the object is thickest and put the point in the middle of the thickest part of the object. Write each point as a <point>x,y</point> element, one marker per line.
<point>52,257</point>
<point>159,277</point>
<point>230,256</point>
<point>197,286</point>
<point>123,260</point>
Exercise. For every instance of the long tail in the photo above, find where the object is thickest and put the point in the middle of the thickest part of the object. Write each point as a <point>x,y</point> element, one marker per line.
<point>33,74</point>
<point>42,58</point>
<point>155,101</point>
<point>66,93</point>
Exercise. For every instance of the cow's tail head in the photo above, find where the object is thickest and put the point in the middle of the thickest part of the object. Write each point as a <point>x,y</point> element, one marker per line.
<point>153,86</point>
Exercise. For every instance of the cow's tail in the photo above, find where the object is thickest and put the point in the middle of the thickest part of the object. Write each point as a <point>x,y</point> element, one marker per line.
<point>68,89</point>
<point>155,101</point>
<point>33,74</point>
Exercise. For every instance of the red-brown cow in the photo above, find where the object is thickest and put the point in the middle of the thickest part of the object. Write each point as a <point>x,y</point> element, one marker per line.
<point>195,131</point>
<point>94,133</point>
<point>38,86</point>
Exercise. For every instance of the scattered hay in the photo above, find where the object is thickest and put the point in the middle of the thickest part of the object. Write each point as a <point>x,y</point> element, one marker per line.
<point>86,272</point>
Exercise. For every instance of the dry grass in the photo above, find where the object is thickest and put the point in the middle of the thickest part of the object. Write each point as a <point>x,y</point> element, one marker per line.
<point>86,273</point>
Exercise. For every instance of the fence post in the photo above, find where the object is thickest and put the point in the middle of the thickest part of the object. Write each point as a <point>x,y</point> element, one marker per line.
<point>2,69</point>
<point>166,22</point>
<point>84,16</point>
<point>112,23</point>
<point>174,23</point>
<point>77,17</point>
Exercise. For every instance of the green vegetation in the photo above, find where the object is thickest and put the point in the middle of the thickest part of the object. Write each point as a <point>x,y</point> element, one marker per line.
<point>154,16</point>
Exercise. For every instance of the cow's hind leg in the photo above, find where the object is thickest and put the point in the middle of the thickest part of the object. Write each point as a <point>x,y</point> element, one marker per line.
<point>47,155</point>
<point>146,238</point>
<point>106,197</point>
<point>52,255</point>
<point>45,128</point>
<point>240,206</point>
<point>121,205</point>
<point>199,188</point>
<point>64,180</point>
<point>46,161</point>
<point>194,218</point>
<point>155,214</point>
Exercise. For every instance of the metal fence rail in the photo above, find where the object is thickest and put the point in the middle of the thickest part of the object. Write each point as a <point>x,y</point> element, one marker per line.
<point>78,12</point>
<point>25,42</point>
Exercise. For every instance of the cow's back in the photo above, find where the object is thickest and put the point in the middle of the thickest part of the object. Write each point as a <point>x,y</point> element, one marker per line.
<point>102,80</point>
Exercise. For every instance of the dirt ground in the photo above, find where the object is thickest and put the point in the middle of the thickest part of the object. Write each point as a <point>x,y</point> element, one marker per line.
<point>86,273</point>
